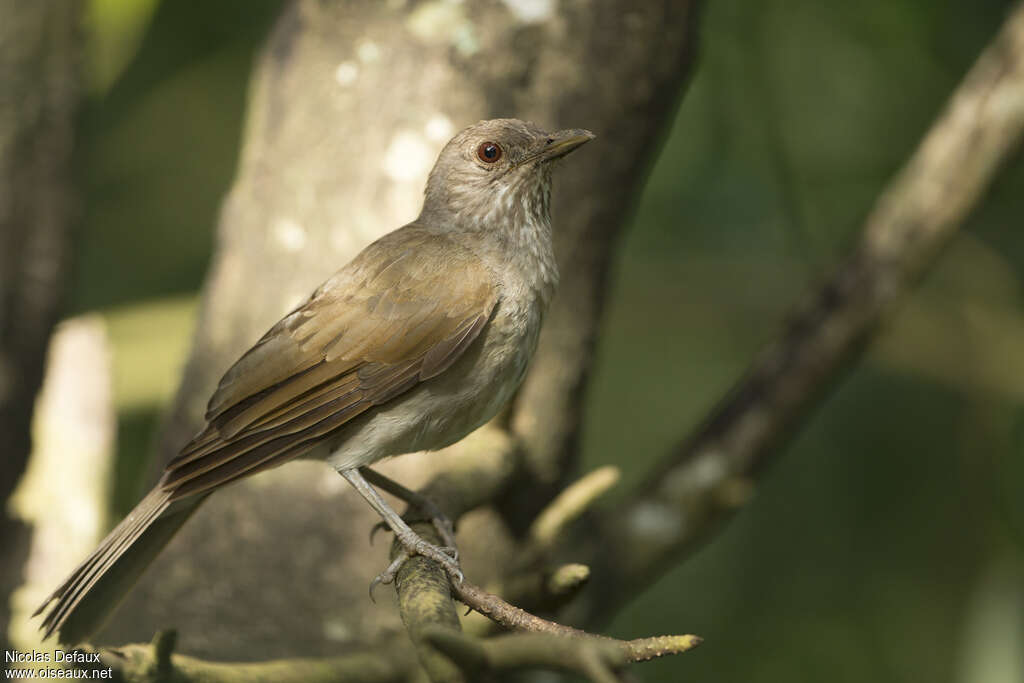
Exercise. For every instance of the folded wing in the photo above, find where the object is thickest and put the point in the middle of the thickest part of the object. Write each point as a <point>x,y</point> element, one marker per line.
<point>402,312</point>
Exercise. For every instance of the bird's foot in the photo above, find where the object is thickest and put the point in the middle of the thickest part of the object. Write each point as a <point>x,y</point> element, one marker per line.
<point>446,556</point>
<point>388,575</point>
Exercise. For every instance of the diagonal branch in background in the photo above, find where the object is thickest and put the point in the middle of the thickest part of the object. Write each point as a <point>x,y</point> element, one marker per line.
<point>706,479</point>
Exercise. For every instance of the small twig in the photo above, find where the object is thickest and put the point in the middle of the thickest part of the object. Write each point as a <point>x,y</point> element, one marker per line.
<point>512,617</point>
<point>568,505</point>
<point>566,581</point>
<point>518,651</point>
<point>597,659</point>
<point>164,643</point>
<point>542,588</point>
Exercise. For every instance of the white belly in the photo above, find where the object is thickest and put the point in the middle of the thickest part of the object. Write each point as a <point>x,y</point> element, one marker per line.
<point>443,410</point>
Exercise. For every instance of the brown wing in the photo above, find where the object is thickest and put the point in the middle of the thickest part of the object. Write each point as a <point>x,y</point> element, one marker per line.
<point>400,313</point>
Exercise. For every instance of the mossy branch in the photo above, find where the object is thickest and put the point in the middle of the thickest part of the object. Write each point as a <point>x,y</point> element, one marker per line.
<point>429,614</point>
<point>425,599</point>
<point>155,663</point>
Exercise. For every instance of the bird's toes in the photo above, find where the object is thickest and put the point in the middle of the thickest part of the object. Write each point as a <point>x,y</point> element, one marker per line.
<point>379,526</point>
<point>388,575</point>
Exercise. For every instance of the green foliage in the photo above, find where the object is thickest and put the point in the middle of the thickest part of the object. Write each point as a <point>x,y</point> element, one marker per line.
<point>866,551</point>
<point>160,148</point>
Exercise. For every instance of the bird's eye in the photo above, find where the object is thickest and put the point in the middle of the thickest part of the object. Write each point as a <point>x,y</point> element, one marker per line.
<point>489,152</point>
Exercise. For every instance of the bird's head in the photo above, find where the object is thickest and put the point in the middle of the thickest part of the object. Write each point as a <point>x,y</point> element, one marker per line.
<point>498,170</point>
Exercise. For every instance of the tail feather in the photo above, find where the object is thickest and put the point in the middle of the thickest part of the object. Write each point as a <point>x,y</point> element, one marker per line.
<point>83,602</point>
<point>94,566</point>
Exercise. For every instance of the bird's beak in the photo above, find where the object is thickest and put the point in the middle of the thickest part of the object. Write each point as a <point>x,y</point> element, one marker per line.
<point>559,144</point>
<point>564,141</point>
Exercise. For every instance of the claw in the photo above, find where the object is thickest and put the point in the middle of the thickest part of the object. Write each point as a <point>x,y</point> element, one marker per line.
<point>378,527</point>
<point>388,575</point>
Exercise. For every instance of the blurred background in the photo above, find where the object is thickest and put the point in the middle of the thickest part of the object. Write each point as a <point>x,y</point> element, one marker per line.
<point>887,543</point>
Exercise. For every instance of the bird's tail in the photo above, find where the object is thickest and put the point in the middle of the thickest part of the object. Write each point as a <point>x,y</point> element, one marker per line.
<point>89,595</point>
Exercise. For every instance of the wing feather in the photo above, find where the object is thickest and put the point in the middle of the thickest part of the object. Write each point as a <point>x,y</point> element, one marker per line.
<point>441,355</point>
<point>396,316</point>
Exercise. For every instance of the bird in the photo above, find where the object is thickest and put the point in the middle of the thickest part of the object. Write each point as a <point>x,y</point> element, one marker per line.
<point>420,339</point>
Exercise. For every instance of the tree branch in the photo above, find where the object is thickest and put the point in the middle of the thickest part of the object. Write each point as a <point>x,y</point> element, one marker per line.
<point>425,594</point>
<point>592,657</point>
<point>155,662</point>
<point>707,478</point>
<point>428,612</point>
<point>514,618</point>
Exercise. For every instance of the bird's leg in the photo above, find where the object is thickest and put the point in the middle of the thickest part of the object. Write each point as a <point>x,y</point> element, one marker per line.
<point>411,542</point>
<point>444,526</point>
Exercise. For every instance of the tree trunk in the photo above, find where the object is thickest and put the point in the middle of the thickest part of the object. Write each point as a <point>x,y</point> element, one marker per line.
<point>40,53</point>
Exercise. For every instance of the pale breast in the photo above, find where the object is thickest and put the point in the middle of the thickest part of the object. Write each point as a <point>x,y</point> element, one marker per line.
<point>444,409</point>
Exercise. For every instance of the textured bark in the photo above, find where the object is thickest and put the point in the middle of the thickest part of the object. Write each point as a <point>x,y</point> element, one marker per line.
<point>40,51</point>
<point>350,105</point>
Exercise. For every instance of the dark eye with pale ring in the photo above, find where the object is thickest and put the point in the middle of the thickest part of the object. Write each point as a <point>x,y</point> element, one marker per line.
<point>489,152</point>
